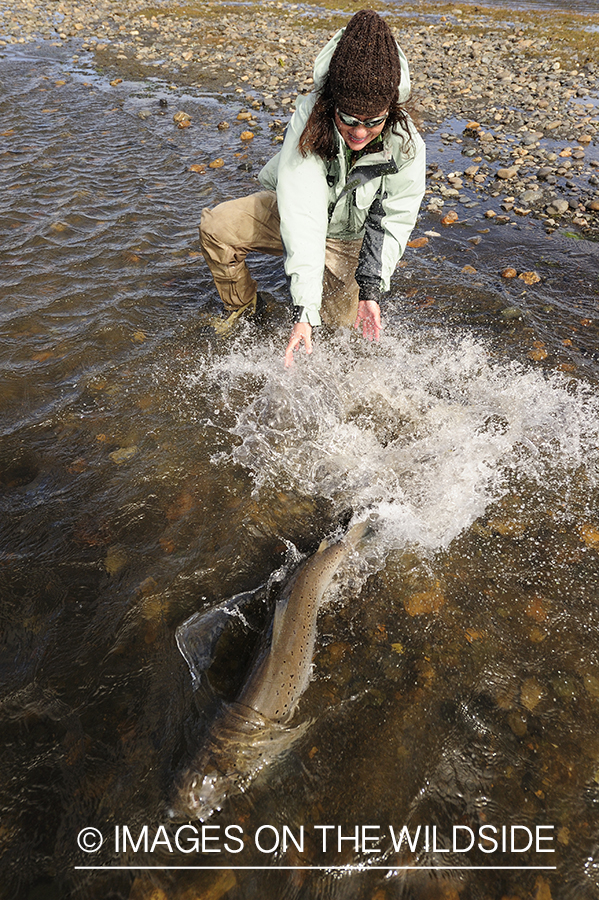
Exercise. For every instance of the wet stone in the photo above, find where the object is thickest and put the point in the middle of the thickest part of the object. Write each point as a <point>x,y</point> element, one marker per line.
<point>558,207</point>
<point>507,174</point>
<point>512,312</point>
<point>529,277</point>
<point>531,196</point>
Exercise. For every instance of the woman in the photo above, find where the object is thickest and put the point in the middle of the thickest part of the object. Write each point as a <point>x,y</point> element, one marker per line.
<point>342,195</point>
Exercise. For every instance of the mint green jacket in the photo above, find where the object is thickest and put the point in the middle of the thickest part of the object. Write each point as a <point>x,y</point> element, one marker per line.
<point>377,200</point>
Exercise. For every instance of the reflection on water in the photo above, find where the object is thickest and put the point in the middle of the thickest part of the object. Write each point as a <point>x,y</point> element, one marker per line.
<point>148,471</point>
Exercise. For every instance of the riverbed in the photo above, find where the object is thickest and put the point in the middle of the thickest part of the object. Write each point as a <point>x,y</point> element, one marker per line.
<point>149,470</point>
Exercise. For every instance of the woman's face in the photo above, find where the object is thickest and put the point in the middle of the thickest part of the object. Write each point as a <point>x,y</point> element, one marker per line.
<point>358,134</point>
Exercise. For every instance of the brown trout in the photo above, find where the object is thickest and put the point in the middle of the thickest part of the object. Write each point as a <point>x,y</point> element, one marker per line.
<point>251,732</point>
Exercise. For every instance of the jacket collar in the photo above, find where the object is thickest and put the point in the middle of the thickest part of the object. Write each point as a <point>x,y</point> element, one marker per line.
<point>374,165</point>
<point>368,165</point>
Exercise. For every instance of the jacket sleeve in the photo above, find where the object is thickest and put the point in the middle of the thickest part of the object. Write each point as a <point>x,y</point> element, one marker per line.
<point>390,221</point>
<point>302,198</point>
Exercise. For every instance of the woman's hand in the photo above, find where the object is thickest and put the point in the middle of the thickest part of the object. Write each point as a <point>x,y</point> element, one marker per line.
<point>301,331</point>
<point>369,317</point>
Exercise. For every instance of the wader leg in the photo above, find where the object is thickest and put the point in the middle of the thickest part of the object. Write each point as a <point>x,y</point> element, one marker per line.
<point>340,288</point>
<point>228,233</point>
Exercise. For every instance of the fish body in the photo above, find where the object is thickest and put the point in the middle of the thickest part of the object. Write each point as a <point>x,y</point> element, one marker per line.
<point>253,730</point>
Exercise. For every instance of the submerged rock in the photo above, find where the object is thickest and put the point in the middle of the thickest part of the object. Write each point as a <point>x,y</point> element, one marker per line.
<point>531,694</point>
<point>529,277</point>
<point>123,454</point>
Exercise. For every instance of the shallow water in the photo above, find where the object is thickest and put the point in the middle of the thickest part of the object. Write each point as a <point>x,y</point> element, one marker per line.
<point>576,7</point>
<point>581,7</point>
<point>148,471</point>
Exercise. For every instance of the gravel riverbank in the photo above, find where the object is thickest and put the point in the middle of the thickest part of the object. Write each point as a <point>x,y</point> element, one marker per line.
<point>519,97</point>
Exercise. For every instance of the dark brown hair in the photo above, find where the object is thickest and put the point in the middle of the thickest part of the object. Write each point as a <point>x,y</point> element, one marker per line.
<point>318,136</point>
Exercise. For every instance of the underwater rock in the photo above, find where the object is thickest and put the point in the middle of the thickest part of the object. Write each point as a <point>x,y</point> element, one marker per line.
<point>512,312</point>
<point>182,119</point>
<point>589,534</point>
<point>531,694</point>
<point>518,724</point>
<point>123,454</point>
<point>425,602</point>
<point>115,560</point>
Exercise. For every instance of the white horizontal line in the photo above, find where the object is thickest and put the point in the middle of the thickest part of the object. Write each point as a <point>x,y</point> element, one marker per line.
<point>357,868</point>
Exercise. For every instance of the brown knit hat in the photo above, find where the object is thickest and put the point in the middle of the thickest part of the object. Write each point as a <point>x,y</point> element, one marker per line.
<point>364,72</point>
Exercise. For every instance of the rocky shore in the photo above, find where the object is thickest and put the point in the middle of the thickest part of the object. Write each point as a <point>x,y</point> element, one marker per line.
<point>518,95</point>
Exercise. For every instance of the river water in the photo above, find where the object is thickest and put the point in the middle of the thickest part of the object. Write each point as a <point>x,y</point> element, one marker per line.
<point>581,7</point>
<point>148,470</point>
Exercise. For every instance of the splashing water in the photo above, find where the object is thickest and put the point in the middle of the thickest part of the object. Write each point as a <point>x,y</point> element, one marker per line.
<point>426,433</point>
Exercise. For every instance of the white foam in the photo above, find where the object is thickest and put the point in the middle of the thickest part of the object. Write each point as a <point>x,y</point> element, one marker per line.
<point>425,430</point>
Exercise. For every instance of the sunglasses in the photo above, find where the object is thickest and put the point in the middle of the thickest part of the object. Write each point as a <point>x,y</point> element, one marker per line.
<point>352,122</point>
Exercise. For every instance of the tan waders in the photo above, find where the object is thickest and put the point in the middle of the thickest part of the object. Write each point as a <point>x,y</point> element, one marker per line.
<point>251,224</point>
